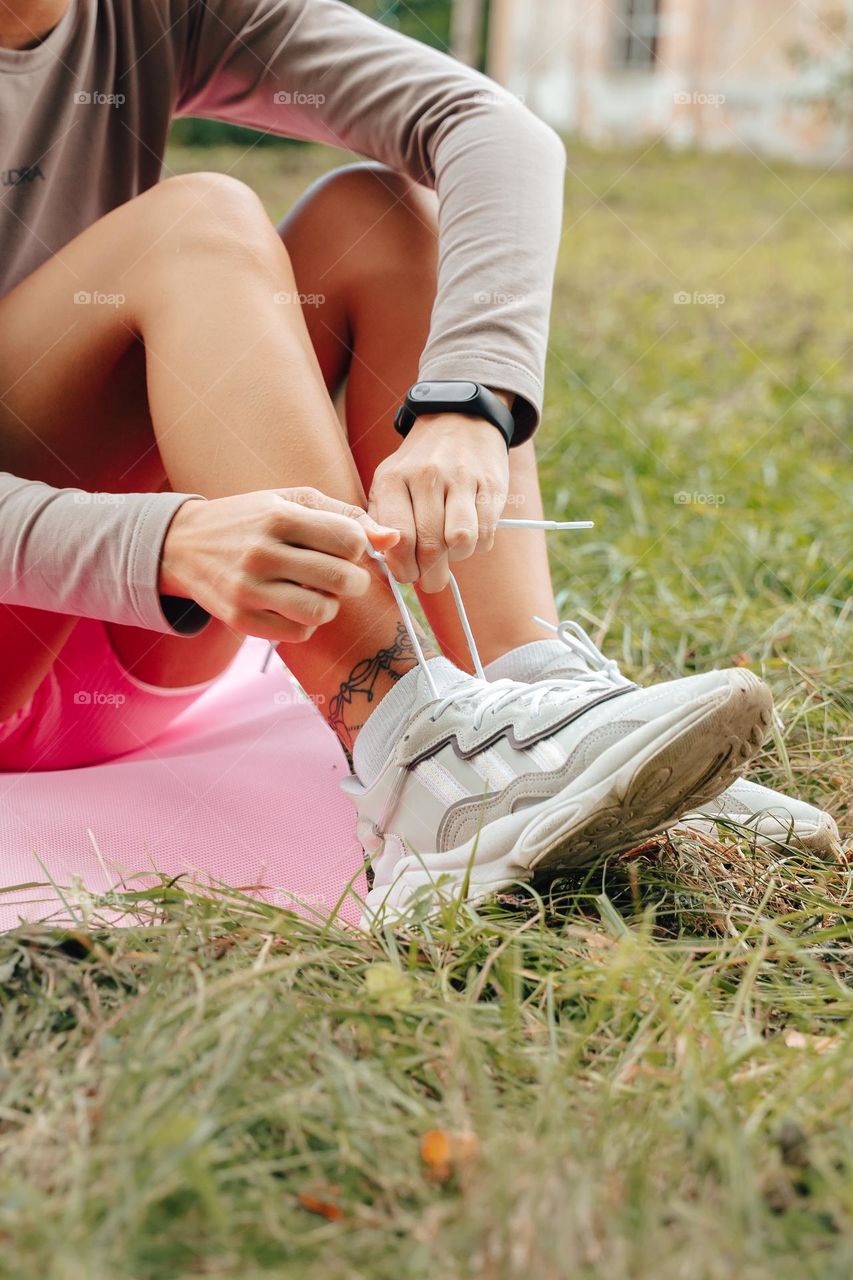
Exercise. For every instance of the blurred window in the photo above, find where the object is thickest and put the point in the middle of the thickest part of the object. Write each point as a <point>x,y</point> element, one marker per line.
<point>637,27</point>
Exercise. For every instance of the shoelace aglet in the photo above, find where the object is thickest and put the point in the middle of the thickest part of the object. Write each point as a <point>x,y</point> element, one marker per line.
<point>546,524</point>
<point>549,626</point>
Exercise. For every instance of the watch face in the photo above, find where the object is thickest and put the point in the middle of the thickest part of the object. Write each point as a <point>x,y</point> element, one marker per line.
<point>460,391</point>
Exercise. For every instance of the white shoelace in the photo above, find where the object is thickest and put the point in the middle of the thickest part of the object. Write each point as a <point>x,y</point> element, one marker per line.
<point>495,694</point>
<point>408,621</point>
<point>596,665</point>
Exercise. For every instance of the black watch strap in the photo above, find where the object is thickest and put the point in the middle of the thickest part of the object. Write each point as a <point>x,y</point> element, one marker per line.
<point>469,398</point>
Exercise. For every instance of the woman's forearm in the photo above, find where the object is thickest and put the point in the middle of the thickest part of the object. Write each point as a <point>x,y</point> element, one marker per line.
<point>91,555</point>
<point>321,70</point>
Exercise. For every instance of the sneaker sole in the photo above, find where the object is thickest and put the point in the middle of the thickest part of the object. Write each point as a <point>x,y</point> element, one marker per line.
<point>613,805</point>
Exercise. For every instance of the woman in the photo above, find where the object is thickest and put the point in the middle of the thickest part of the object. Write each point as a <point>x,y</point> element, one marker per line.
<point>168,369</point>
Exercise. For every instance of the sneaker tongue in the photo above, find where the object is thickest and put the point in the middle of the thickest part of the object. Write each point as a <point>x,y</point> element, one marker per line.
<point>445,677</point>
<point>566,667</point>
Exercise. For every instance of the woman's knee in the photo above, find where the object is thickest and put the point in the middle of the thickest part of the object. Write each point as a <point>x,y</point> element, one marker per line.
<point>369,188</point>
<point>216,197</point>
<point>373,219</point>
<point>203,215</point>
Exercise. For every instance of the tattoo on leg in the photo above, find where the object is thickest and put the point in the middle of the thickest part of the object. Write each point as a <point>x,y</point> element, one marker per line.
<point>352,704</point>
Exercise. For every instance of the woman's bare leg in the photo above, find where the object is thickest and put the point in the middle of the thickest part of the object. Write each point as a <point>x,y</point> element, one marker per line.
<point>364,240</point>
<point>235,402</point>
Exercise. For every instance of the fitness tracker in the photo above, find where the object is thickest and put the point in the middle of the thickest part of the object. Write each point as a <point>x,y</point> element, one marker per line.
<point>470,398</point>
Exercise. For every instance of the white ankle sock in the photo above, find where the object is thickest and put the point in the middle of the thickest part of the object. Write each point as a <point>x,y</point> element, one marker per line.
<point>382,727</point>
<point>527,662</point>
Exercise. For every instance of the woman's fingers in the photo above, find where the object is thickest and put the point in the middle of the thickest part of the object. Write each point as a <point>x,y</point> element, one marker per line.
<point>437,525</point>
<point>335,534</point>
<point>271,626</point>
<point>461,525</point>
<point>312,519</point>
<point>291,603</point>
<point>391,505</point>
<point>429,496</point>
<point>314,569</point>
<point>275,563</point>
<point>489,506</point>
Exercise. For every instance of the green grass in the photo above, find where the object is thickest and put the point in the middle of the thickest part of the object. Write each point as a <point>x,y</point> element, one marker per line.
<point>645,1075</point>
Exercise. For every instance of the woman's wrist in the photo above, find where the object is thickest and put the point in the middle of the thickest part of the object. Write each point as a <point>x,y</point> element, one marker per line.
<point>174,554</point>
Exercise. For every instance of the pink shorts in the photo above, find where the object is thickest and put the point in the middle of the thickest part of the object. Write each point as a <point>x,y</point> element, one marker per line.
<point>88,709</point>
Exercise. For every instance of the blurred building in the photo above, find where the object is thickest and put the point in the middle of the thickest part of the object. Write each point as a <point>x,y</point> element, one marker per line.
<point>766,75</point>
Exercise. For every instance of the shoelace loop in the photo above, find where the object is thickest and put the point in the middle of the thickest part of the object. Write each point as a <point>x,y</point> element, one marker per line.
<point>596,665</point>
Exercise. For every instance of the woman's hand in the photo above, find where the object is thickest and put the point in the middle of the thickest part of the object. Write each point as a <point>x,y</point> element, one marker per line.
<point>444,489</point>
<point>276,563</point>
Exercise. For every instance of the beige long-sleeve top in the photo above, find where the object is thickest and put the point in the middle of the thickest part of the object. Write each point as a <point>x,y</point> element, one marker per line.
<point>84,118</point>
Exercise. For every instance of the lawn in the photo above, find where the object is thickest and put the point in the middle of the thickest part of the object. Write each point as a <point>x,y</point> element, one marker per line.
<point>643,1075</point>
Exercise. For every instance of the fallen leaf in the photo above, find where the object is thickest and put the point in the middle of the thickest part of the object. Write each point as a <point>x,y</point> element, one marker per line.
<point>444,1152</point>
<point>818,1044</point>
<point>648,846</point>
<point>598,941</point>
<point>324,1208</point>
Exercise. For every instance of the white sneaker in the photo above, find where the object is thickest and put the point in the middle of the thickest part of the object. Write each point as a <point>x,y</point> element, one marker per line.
<point>773,817</point>
<point>489,783</point>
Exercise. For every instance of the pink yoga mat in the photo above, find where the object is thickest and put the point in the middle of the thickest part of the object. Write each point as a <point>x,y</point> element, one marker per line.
<point>241,790</point>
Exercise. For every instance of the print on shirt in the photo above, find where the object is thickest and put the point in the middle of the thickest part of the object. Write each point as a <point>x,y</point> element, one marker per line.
<point>26,173</point>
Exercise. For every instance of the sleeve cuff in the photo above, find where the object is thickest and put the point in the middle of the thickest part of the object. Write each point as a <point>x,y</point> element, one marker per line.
<point>185,617</point>
<point>169,614</point>
<point>504,375</point>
